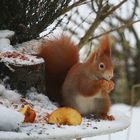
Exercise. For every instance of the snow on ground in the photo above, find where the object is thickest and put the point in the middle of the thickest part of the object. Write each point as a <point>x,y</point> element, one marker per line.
<point>5,45</point>
<point>132,133</point>
<point>42,105</point>
<point>10,120</point>
<point>13,101</point>
<point>11,98</point>
<point>89,127</point>
<point>6,33</point>
<point>4,41</point>
<point>29,47</point>
<point>10,95</point>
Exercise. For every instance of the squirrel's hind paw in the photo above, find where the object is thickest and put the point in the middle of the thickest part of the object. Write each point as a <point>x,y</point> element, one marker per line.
<point>107,117</point>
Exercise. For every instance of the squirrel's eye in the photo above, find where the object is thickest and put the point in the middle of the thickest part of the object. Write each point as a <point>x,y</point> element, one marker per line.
<point>101,66</point>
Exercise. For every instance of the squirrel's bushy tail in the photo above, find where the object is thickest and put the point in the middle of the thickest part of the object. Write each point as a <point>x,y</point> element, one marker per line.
<point>60,55</point>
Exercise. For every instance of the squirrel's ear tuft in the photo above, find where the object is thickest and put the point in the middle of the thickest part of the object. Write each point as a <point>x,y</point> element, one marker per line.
<point>92,58</point>
<point>105,46</point>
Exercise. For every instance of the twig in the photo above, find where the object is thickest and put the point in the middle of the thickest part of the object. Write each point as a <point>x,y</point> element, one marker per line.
<point>114,8</point>
<point>76,4</point>
<point>112,30</point>
<point>89,51</point>
<point>101,15</point>
<point>132,15</point>
<point>89,32</point>
<point>83,20</point>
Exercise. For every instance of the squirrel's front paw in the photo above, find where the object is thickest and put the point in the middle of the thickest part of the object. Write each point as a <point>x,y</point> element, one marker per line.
<point>108,85</point>
<point>111,85</point>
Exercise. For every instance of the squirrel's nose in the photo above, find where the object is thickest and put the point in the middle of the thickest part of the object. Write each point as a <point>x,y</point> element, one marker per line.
<point>109,76</point>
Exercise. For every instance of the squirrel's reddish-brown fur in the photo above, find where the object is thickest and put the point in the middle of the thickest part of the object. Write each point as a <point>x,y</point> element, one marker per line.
<point>60,54</point>
<point>83,86</point>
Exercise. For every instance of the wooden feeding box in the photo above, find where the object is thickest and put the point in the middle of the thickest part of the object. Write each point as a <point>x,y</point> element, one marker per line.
<point>21,72</point>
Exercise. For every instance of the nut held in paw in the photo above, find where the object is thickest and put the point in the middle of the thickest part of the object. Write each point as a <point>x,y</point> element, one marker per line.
<point>65,116</point>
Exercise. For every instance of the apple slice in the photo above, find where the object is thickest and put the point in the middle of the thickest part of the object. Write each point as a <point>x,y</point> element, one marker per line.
<point>65,116</point>
<point>29,113</point>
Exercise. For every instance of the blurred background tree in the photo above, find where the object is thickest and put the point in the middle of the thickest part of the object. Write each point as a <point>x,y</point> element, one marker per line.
<point>28,18</point>
<point>84,21</point>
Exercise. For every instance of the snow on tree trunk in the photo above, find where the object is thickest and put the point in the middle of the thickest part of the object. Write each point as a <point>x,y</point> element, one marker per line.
<point>22,72</point>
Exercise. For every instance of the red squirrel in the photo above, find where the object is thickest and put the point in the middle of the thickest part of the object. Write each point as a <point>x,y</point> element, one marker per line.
<point>83,86</point>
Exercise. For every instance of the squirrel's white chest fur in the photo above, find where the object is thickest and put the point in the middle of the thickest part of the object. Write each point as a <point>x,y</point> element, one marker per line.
<point>86,105</point>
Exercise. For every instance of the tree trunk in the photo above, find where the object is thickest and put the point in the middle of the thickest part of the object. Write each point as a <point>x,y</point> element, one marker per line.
<point>23,77</point>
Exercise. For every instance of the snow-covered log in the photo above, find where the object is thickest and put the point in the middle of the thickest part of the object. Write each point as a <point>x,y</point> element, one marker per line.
<point>23,71</point>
